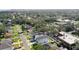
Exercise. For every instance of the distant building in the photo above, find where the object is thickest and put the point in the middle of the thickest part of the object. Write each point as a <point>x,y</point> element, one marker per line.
<point>1,23</point>
<point>28,17</point>
<point>59,20</point>
<point>67,20</point>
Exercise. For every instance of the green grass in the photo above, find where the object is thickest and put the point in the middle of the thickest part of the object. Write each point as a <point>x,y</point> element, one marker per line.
<point>16,41</point>
<point>28,37</point>
<point>2,39</point>
<point>16,29</point>
<point>50,39</point>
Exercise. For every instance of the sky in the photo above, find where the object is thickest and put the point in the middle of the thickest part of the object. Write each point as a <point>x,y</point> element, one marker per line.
<point>39,4</point>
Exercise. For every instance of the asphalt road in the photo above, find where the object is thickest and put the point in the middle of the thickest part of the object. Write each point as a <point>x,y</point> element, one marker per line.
<point>25,42</point>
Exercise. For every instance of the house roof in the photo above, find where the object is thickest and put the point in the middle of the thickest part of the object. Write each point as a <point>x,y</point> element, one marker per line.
<point>6,44</point>
<point>40,37</point>
<point>68,38</point>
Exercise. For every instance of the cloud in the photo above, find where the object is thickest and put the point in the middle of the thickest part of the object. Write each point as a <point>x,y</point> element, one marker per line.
<point>39,4</point>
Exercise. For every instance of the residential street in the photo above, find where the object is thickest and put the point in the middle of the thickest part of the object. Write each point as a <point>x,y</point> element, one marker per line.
<point>25,41</point>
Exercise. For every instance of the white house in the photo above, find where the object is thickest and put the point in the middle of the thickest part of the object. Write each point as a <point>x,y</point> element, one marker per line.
<point>41,39</point>
<point>68,39</point>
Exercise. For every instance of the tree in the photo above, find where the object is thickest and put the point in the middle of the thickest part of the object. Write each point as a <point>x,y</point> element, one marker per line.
<point>68,28</point>
<point>77,19</point>
<point>2,29</point>
<point>76,46</point>
<point>40,26</point>
<point>40,47</point>
<point>77,24</point>
<point>53,29</point>
<point>23,27</point>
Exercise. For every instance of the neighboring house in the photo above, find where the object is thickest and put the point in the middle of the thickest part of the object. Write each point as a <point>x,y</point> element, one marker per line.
<point>41,39</point>
<point>8,35</point>
<point>28,27</point>
<point>8,29</point>
<point>68,40</point>
<point>8,32</point>
<point>9,22</point>
<point>6,44</point>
